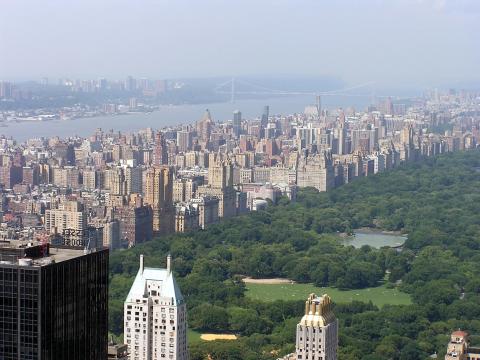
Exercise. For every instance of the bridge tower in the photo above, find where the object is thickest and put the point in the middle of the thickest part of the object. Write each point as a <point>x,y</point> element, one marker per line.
<point>232,91</point>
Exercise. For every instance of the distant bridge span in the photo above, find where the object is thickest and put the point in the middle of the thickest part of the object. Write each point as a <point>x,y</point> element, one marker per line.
<point>229,87</point>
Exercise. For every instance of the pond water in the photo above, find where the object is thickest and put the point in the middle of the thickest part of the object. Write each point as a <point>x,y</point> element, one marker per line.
<point>376,239</point>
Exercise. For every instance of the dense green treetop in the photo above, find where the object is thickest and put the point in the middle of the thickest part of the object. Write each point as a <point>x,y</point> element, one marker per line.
<point>434,201</point>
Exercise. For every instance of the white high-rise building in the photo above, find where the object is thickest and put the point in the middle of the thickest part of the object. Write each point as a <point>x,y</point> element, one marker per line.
<point>317,332</point>
<point>155,316</point>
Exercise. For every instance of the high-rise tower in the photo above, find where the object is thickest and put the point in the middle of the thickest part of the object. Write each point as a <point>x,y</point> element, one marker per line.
<point>184,140</point>
<point>54,301</point>
<point>204,127</point>
<point>237,123</point>
<point>265,115</point>
<point>318,103</point>
<point>155,316</point>
<point>317,332</point>
<point>160,152</point>
<point>159,195</point>
<point>342,134</point>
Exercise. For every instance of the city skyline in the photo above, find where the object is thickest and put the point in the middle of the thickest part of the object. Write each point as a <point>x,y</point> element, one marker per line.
<point>142,189</point>
<point>239,180</point>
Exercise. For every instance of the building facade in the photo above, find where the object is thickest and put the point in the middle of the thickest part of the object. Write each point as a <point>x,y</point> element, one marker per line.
<point>54,302</point>
<point>69,216</point>
<point>207,208</point>
<point>159,195</point>
<point>135,224</point>
<point>459,347</point>
<point>155,316</point>
<point>186,218</point>
<point>317,331</point>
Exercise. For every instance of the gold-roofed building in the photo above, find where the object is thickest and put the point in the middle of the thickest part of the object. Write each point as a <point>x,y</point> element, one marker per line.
<point>317,331</point>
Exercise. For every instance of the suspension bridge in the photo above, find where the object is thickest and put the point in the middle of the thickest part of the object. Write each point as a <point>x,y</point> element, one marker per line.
<point>230,87</point>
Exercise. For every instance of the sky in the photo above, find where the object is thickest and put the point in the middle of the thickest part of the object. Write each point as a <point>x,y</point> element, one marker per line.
<point>391,42</point>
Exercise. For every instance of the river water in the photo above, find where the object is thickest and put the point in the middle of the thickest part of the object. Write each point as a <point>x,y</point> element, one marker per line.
<point>173,115</point>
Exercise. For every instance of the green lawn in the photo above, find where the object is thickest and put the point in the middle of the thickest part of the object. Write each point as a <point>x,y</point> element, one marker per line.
<point>379,295</point>
<point>193,336</point>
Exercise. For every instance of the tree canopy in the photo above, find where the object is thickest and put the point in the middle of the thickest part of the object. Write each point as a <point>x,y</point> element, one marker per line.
<point>435,201</point>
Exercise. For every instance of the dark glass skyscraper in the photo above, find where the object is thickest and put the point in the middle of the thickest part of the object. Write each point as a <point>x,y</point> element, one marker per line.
<point>237,122</point>
<point>53,302</point>
<point>265,115</point>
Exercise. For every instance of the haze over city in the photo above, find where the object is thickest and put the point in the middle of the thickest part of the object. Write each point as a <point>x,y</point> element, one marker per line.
<point>239,180</point>
<point>396,43</point>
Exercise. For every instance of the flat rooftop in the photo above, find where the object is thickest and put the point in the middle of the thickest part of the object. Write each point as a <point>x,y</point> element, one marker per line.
<point>62,254</point>
<point>29,253</point>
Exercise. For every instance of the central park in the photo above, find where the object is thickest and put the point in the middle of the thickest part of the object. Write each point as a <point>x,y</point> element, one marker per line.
<point>395,298</point>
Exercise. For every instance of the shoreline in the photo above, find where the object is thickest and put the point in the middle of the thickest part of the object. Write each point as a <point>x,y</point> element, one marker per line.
<point>375,238</point>
<point>369,230</point>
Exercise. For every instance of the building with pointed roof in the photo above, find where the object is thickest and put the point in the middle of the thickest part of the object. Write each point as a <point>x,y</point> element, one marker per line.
<point>204,127</point>
<point>155,316</point>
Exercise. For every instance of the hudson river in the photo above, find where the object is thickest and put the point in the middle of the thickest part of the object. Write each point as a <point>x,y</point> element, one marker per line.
<point>172,115</point>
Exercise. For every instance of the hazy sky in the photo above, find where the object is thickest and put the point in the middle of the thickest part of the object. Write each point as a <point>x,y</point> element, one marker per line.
<point>425,42</point>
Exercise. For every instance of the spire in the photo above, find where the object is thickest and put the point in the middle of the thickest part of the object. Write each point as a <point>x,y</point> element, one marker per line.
<point>207,116</point>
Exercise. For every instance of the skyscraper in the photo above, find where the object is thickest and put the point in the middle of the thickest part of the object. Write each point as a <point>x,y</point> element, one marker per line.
<point>317,331</point>
<point>406,135</point>
<point>265,115</point>
<point>160,152</point>
<point>135,223</point>
<point>237,123</point>
<point>130,84</point>
<point>54,302</point>
<point>220,185</point>
<point>341,136</point>
<point>159,195</point>
<point>133,179</point>
<point>318,100</point>
<point>155,316</point>
<point>6,89</point>
<point>204,127</point>
<point>184,140</point>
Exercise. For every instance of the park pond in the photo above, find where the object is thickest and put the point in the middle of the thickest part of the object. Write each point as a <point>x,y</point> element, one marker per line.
<point>374,238</point>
